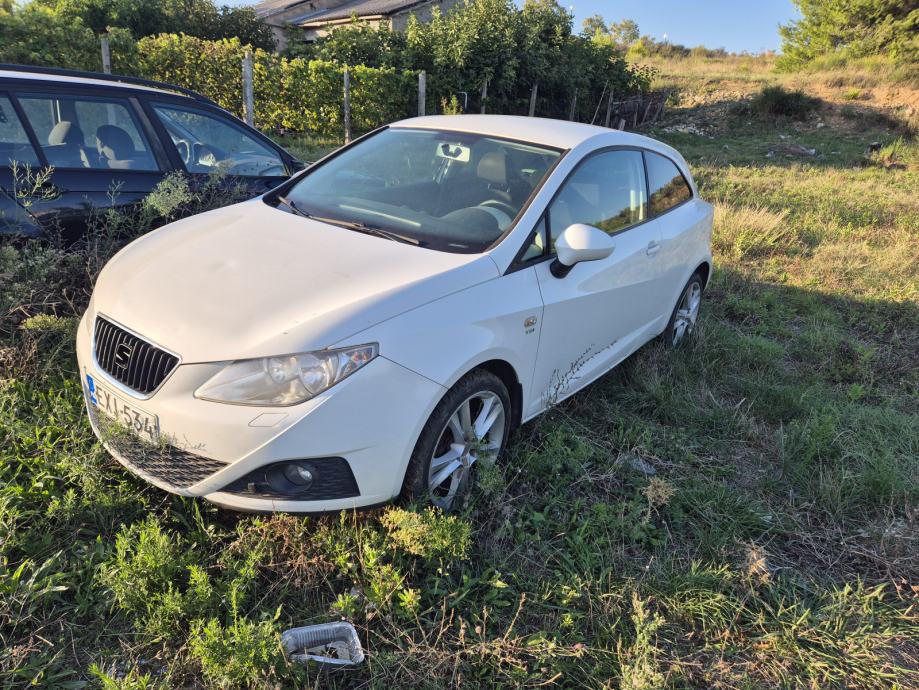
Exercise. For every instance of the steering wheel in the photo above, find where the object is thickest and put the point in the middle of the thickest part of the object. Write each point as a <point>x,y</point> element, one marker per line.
<point>501,206</point>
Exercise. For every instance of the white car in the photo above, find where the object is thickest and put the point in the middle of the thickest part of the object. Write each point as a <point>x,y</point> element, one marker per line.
<point>382,321</point>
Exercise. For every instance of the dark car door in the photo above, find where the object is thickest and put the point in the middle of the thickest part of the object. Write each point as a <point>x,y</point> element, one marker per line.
<point>18,160</point>
<point>99,148</point>
<point>206,140</point>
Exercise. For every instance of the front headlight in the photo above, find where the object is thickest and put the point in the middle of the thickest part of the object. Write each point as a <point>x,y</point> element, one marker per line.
<point>284,380</point>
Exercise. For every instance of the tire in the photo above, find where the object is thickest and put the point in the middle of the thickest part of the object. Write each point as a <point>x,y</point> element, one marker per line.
<point>685,314</point>
<point>441,445</point>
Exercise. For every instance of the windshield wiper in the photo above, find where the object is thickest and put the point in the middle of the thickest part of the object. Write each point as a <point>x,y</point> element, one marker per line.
<point>357,226</point>
<point>349,224</point>
<point>292,206</point>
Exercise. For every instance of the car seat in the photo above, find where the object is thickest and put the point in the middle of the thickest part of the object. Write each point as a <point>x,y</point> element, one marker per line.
<point>65,146</point>
<point>115,147</point>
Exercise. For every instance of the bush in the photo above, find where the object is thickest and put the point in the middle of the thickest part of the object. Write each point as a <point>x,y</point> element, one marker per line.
<point>292,94</point>
<point>774,101</point>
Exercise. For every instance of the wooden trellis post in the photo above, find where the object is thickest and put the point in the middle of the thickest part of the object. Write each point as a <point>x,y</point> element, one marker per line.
<point>347,106</point>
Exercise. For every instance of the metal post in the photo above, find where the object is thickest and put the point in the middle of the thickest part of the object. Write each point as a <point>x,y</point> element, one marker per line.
<point>574,106</point>
<point>621,123</point>
<point>347,106</point>
<point>484,94</point>
<point>609,108</point>
<point>106,57</point>
<point>422,92</point>
<point>533,100</point>
<point>248,94</point>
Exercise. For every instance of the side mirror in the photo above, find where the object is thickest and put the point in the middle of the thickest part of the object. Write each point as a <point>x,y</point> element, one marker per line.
<point>579,243</point>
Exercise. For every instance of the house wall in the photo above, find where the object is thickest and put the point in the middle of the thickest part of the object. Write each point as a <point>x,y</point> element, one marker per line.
<point>397,22</point>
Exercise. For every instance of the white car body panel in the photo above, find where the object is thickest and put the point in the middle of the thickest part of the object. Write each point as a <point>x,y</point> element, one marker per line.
<point>251,280</point>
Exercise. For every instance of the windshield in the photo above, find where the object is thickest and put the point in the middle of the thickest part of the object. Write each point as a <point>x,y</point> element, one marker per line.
<point>450,191</point>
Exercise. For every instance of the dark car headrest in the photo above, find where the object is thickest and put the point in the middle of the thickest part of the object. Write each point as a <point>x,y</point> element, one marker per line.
<point>493,168</point>
<point>65,132</point>
<point>113,143</point>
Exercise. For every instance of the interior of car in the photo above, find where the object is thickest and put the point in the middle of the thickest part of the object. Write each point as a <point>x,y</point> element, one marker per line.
<point>458,189</point>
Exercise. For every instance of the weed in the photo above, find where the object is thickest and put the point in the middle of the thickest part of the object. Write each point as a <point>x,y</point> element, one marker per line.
<point>430,534</point>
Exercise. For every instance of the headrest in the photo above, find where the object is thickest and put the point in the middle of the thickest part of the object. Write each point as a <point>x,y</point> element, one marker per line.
<point>114,143</point>
<point>493,168</point>
<point>65,132</point>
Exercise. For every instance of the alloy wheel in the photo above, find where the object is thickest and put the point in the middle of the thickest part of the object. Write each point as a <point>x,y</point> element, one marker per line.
<point>473,433</point>
<point>687,312</point>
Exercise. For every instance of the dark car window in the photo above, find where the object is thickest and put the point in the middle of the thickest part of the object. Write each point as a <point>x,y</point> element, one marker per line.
<point>87,132</point>
<point>14,142</point>
<point>606,191</point>
<point>667,184</point>
<point>207,143</point>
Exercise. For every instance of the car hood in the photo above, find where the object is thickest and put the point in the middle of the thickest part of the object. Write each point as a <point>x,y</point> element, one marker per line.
<point>251,280</point>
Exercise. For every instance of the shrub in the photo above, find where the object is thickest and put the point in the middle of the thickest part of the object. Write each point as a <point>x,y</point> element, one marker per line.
<point>775,101</point>
<point>243,654</point>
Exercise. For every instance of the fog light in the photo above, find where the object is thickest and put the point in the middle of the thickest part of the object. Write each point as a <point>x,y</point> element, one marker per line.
<point>301,475</point>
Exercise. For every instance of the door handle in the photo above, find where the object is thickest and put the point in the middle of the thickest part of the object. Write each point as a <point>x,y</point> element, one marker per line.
<point>653,248</point>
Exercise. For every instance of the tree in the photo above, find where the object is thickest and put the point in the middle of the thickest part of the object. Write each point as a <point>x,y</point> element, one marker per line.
<point>853,28</point>
<point>201,18</point>
<point>592,26</point>
<point>624,33</point>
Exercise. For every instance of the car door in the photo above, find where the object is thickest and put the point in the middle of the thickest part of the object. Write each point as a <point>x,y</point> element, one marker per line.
<point>18,158</point>
<point>98,150</point>
<point>206,141</point>
<point>601,310</point>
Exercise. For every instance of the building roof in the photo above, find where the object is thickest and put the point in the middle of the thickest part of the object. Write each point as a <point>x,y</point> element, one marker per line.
<point>266,8</point>
<point>361,8</point>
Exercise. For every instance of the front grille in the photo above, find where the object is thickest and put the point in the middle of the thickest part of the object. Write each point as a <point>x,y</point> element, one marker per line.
<point>130,359</point>
<point>178,468</point>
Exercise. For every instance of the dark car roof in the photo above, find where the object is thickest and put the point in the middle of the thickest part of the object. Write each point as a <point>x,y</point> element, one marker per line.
<point>95,79</point>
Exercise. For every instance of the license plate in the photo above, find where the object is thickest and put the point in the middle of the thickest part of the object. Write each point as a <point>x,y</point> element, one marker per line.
<point>145,425</point>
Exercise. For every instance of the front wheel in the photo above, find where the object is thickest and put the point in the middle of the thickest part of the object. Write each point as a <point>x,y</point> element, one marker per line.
<point>469,425</point>
<point>685,314</point>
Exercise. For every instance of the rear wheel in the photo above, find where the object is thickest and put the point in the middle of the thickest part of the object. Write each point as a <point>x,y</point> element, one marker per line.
<point>470,425</point>
<point>685,314</point>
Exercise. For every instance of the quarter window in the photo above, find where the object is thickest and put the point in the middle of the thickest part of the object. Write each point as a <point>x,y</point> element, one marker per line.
<point>209,143</point>
<point>606,191</point>
<point>96,133</point>
<point>14,142</point>
<point>667,184</point>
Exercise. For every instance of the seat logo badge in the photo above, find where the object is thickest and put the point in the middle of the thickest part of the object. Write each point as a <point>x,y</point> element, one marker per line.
<point>123,355</point>
<point>529,323</point>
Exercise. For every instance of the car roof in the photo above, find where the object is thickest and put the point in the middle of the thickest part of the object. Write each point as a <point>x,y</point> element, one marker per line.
<point>536,130</point>
<point>54,75</point>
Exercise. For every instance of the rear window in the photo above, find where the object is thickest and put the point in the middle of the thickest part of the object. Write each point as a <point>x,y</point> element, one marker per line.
<point>667,185</point>
<point>87,132</point>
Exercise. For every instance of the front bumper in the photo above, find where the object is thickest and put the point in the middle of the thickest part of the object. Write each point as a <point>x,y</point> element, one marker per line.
<point>372,420</point>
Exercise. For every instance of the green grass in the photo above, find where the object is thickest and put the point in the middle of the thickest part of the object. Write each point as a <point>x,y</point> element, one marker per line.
<point>774,547</point>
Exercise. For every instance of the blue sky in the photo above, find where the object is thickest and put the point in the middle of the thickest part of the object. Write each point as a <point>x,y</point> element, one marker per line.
<point>737,25</point>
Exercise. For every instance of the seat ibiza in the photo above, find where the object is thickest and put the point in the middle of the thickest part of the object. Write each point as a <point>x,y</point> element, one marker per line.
<point>381,322</point>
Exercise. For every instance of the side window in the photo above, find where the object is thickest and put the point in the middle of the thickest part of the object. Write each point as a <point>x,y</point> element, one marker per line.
<point>14,142</point>
<point>606,191</point>
<point>88,132</point>
<point>666,182</point>
<point>208,143</point>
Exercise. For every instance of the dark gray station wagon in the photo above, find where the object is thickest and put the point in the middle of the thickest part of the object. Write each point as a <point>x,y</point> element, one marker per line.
<point>100,133</point>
